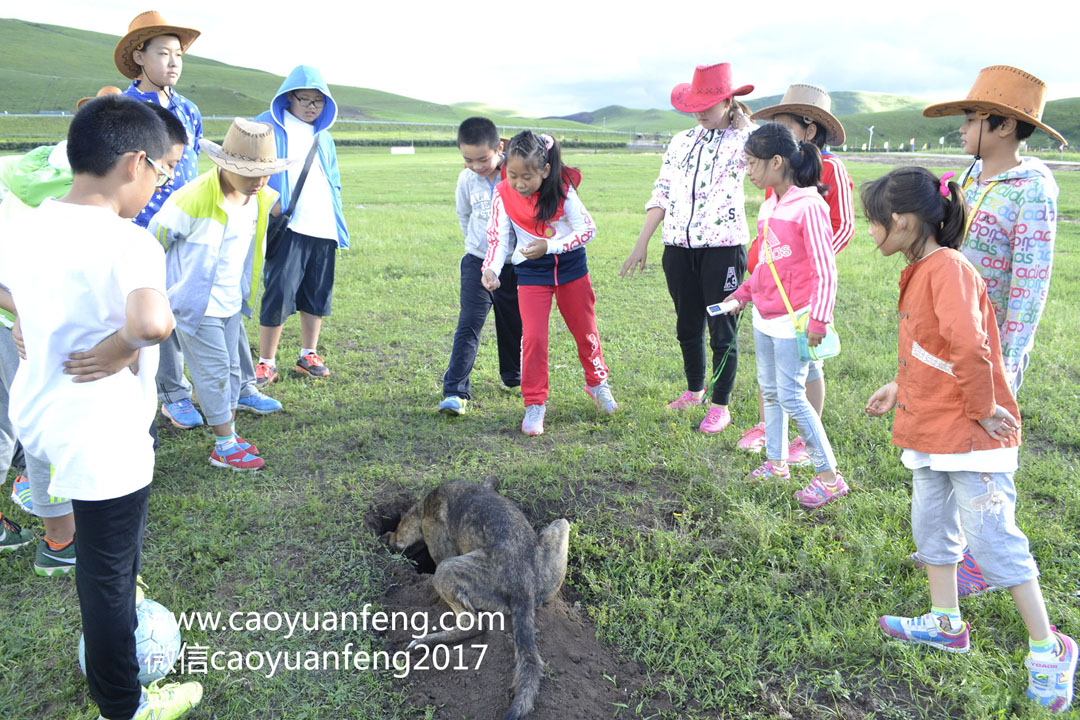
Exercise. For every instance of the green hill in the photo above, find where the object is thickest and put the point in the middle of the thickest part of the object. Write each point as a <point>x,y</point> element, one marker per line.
<point>850,102</point>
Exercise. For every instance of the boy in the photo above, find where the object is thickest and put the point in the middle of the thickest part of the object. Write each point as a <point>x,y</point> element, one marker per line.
<point>1012,219</point>
<point>104,290</point>
<point>213,230</point>
<point>482,150</point>
<point>300,273</point>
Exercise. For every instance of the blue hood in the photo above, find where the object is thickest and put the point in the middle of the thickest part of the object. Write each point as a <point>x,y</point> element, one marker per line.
<point>301,77</point>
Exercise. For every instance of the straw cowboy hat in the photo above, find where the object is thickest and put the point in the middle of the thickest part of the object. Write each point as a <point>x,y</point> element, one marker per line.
<point>812,104</point>
<point>107,90</point>
<point>144,27</point>
<point>711,86</point>
<point>249,149</point>
<point>1005,91</point>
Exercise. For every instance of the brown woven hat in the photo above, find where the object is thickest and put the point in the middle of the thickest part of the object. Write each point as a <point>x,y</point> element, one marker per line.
<point>249,149</point>
<point>1006,91</point>
<point>107,90</point>
<point>144,27</point>
<point>811,102</point>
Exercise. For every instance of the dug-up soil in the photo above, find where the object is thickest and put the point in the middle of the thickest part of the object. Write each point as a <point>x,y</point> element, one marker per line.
<point>583,678</point>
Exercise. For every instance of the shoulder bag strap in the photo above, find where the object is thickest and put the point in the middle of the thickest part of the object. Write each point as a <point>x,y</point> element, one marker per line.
<point>776,276</point>
<point>303,176</point>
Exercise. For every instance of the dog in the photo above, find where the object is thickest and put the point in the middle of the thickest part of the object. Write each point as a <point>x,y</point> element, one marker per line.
<point>488,558</point>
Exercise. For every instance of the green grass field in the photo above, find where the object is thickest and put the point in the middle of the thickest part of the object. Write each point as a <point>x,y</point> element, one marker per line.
<point>739,603</point>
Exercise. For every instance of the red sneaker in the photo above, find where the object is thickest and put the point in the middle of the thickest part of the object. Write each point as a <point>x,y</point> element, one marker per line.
<point>312,365</point>
<point>265,374</point>
<point>239,459</point>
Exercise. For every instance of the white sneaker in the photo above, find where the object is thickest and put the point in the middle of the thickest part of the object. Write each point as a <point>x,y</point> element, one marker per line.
<point>533,424</point>
<point>602,395</point>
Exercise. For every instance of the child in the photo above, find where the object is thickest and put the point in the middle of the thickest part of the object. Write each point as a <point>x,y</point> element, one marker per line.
<point>539,204</point>
<point>806,111</point>
<point>104,290</point>
<point>213,230</point>
<point>1012,211</point>
<point>482,149</point>
<point>300,273</point>
<point>963,453</point>
<point>797,237</point>
<point>699,199</point>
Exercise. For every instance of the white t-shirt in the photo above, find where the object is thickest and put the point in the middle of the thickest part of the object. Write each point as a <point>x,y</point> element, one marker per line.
<point>226,295</point>
<point>70,269</point>
<point>314,212</point>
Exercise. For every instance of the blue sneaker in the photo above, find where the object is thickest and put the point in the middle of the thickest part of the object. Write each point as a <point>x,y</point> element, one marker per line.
<point>924,630</point>
<point>453,405</point>
<point>182,414</point>
<point>20,493</point>
<point>259,403</point>
<point>1050,683</point>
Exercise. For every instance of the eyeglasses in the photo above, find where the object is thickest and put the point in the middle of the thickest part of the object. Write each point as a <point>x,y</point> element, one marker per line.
<point>309,102</point>
<point>164,177</point>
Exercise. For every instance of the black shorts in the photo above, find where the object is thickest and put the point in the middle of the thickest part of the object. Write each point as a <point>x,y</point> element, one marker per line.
<point>300,276</point>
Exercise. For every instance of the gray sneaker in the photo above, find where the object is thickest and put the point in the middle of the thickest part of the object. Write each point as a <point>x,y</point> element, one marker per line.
<point>13,535</point>
<point>602,395</point>
<point>533,424</point>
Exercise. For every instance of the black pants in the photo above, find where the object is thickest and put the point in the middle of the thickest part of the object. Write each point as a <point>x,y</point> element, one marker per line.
<point>108,543</point>
<point>697,277</point>
<point>475,304</point>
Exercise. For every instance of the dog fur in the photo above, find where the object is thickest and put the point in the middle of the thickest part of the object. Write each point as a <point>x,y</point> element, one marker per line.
<point>489,558</point>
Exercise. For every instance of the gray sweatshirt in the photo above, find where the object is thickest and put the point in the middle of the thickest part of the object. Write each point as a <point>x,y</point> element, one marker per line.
<point>474,210</point>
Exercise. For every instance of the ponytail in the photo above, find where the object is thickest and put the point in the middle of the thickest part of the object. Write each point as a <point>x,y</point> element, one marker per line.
<point>806,167</point>
<point>538,151</point>
<point>954,223</point>
<point>801,159</point>
<point>937,203</point>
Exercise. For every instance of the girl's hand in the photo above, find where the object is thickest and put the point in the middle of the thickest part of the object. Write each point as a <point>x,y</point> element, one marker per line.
<point>636,261</point>
<point>535,250</point>
<point>739,304</point>
<point>882,401</point>
<point>814,339</point>
<point>108,357</point>
<point>16,335</point>
<point>490,280</point>
<point>1001,424</point>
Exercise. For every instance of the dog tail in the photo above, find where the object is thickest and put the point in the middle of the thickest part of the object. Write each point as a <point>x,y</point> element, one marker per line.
<point>529,665</point>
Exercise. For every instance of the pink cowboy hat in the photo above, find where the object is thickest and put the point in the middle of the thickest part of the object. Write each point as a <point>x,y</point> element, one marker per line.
<point>711,85</point>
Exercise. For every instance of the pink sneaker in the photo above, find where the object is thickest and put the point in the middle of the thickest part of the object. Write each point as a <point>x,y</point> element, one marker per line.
<point>817,493</point>
<point>797,454</point>
<point>685,400</point>
<point>768,471</point>
<point>715,420</point>
<point>753,439</point>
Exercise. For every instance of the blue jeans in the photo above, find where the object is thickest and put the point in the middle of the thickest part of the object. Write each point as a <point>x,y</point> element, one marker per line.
<point>782,378</point>
<point>475,304</point>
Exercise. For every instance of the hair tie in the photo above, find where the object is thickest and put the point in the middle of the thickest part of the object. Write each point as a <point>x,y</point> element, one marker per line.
<point>943,186</point>
<point>549,142</point>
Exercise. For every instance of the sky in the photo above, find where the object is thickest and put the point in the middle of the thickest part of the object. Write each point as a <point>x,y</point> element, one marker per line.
<point>562,57</point>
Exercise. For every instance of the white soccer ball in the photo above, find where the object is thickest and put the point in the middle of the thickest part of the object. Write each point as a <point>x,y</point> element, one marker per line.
<point>157,642</point>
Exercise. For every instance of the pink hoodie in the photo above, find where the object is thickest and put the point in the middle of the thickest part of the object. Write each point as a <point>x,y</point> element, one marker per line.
<point>800,240</point>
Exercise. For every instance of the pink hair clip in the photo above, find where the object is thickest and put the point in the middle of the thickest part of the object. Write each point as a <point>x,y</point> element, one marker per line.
<point>944,186</point>
<point>549,141</point>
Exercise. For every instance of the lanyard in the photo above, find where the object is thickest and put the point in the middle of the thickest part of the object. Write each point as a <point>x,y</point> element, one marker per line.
<point>978,201</point>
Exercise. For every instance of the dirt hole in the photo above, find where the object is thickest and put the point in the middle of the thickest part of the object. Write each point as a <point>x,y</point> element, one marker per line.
<point>384,519</point>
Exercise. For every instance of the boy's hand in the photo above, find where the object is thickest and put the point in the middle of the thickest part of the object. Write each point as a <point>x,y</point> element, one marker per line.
<point>490,280</point>
<point>882,401</point>
<point>1001,424</point>
<point>535,250</point>
<point>108,357</point>
<point>636,261</point>
<point>16,335</point>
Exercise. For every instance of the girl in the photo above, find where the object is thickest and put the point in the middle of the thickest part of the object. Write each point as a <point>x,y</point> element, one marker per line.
<point>957,422</point>
<point>807,111</point>
<point>539,203</point>
<point>797,240</point>
<point>699,199</point>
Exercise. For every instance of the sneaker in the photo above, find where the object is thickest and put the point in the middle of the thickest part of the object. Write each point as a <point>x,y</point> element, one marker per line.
<point>265,374</point>
<point>245,445</point>
<point>239,459</point>
<point>767,471</point>
<point>715,420</point>
<point>259,403</point>
<point>687,399</point>
<point>312,365</point>
<point>797,454</point>
<point>601,394</point>
<point>1051,683</point>
<point>753,439</point>
<point>925,630</point>
<point>533,424</point>
<point>20,493</point>
<point>916,561</point>
<point>817,493</point>
<point>168,702</point>
<point>453,405</point>
<point>49,562</point>
<point>13,535</point>
<point>182,414</point>
<point>969,578</point>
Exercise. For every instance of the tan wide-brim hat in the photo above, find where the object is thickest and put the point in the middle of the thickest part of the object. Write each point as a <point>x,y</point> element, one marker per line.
<point>144,27</point>
<point>809,102</point>
<point>1006,91</point>
<point>107,90</point>
<point>249,149</point>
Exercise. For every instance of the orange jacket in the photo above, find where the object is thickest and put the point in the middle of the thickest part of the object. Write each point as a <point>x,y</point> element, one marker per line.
<point>950,372</point>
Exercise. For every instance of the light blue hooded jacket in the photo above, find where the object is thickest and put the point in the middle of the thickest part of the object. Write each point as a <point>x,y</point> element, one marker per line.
<point>301,77</point>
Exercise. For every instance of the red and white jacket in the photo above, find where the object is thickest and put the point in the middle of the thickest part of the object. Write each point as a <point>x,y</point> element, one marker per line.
<point>800,241</point>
